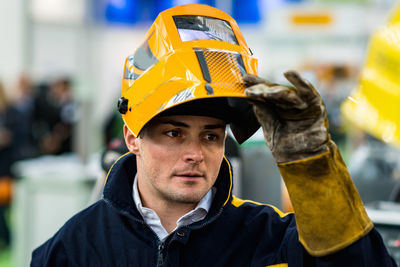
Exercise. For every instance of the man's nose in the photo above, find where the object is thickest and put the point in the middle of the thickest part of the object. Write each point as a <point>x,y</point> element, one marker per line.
<point>194,152</point>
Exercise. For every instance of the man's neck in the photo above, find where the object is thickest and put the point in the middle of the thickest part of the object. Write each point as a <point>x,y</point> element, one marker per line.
<point>169,213</point>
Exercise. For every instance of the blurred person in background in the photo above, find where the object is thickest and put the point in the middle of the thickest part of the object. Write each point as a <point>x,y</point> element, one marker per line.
<point>55,114</point>
<point>114,148</point>
<point>24,104</point>
<point>169,201</point>
<point>112,128</point>
<point>375,168</point>
<point>336,91</point>
<point>8,141</point>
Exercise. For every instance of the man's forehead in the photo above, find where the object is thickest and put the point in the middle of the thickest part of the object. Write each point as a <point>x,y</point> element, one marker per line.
<point>190,121</point>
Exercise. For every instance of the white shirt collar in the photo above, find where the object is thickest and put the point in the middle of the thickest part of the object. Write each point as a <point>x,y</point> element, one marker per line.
<point>152,219</point>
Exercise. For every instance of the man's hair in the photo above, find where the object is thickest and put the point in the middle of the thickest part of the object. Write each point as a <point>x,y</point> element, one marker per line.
<point>142,131</point>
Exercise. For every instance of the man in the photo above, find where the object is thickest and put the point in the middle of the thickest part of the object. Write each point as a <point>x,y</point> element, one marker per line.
<point>168,202</point>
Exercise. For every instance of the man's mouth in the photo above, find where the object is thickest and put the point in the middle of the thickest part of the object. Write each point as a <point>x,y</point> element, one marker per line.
<point>190,175</point>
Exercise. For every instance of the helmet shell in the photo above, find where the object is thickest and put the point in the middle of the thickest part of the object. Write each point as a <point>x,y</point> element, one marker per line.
<point>190,52</point>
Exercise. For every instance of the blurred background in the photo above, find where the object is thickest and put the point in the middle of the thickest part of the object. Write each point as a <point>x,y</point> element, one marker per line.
<point>61,64</point>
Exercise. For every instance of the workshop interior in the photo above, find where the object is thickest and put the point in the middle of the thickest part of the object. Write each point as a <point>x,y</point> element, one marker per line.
<point>61,72</point>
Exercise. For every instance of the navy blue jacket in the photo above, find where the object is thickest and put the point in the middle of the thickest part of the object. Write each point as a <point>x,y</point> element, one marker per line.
<point>111,232</point>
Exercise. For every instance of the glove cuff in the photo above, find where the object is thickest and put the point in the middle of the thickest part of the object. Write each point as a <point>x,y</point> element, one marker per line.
<point>328,209</point>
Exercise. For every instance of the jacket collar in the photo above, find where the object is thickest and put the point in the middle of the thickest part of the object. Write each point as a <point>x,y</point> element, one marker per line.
<point>119,182</point>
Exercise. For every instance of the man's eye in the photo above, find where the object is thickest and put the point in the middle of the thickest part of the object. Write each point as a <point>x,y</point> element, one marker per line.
<point>211,137</point>
<point>172,133</point>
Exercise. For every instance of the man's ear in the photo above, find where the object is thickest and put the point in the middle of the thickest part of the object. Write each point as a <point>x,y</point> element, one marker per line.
<point>132,142</point>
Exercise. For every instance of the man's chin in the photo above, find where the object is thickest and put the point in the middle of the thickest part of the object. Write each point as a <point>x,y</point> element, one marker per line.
<point>187,198</point>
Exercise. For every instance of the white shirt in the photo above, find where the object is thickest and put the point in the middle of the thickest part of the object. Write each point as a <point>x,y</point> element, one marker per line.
<point>151,218</point>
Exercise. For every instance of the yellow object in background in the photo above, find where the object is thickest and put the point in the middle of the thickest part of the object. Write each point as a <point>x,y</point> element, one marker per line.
<point>375,104</point>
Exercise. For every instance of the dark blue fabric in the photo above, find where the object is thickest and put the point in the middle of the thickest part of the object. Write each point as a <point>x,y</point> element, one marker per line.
<point>112,233</point>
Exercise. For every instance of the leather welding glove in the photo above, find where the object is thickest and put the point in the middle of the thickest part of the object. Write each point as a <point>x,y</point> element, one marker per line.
<point>293,119</point>
<point>328,209</point>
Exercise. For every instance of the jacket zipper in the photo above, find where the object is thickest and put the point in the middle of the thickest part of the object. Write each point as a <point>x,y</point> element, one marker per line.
<point>160,259</point>
<point>161,245</point>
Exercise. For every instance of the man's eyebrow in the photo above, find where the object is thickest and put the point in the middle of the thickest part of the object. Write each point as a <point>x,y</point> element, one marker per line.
<point>215,126</point>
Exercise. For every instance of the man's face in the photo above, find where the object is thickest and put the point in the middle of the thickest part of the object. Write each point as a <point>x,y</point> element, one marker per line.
<point>178,157</point>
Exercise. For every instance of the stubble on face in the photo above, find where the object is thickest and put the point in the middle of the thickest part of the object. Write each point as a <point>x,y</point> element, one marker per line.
<point>168,177</point>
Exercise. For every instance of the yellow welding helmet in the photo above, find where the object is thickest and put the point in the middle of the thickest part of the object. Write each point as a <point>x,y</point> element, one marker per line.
<point>191,62</point>
<point>375,104</point>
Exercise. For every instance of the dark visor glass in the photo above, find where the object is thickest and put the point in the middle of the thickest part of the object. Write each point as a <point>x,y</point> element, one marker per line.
<point>193,28</point>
